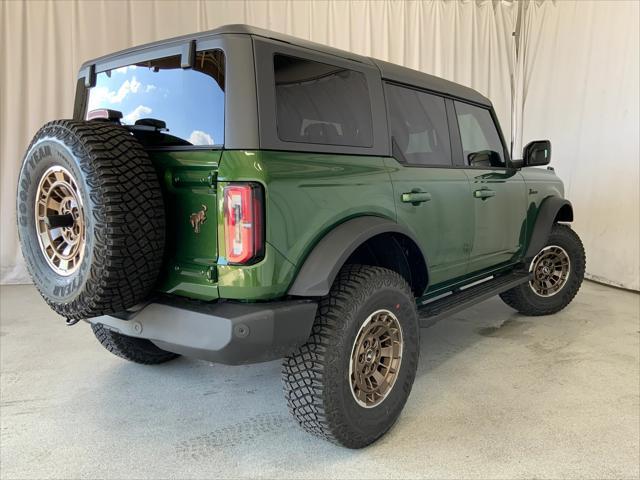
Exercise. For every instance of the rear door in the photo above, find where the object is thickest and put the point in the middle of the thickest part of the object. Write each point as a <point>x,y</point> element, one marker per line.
<point>432,197</point>
<point>498,192</point>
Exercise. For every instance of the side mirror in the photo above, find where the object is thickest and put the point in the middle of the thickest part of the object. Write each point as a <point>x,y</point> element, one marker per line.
<point>484,158</point>
<point>537,153</point>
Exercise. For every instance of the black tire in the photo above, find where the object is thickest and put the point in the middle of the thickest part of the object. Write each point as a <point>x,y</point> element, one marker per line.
<point>523,297</point>
<point>316,378</point>
<point>124,217</point>
<point>138,350</point>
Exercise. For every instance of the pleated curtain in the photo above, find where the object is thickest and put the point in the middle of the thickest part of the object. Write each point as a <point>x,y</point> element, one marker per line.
<point>574,80</point>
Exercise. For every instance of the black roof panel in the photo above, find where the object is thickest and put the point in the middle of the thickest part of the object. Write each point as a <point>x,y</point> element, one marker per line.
<point>400,74</point>
<point>389,71</point>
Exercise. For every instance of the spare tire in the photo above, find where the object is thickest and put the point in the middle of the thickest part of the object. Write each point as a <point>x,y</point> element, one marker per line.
<point>91,218</point>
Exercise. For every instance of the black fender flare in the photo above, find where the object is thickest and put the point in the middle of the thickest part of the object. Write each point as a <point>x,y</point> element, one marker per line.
<point>551,210</point>
<point>322,265</point>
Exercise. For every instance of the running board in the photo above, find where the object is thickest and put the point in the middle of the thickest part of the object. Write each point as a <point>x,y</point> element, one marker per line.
<point>436,310</point>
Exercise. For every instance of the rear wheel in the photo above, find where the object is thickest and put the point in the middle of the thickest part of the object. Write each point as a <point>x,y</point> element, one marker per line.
<point>557,273</point>
<point>138,350</point>
<point>350,381</point>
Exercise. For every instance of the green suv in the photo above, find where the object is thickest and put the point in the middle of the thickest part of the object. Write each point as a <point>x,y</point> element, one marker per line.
<point>240,196</point>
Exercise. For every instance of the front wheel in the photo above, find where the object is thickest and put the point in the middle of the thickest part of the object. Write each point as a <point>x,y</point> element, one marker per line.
<point>350,381</point>
<point>557,272</point>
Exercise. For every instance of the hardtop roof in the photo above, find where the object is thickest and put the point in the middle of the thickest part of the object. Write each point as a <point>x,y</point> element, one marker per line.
<point>388,71</point>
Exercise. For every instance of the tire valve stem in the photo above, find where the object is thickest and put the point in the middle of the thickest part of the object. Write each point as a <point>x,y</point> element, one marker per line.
<point>71,321</point>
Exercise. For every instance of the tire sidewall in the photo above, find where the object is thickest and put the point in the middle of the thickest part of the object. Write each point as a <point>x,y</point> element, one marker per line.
<point>373,422</point>
<point>45,152</point>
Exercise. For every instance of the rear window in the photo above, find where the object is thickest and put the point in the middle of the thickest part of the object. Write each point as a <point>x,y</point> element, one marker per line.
<point>189,101</point>
<point>321,103</point>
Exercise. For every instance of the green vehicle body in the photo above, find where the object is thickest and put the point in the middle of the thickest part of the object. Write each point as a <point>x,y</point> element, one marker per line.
<point>309,195</point>
<point>442,227</point>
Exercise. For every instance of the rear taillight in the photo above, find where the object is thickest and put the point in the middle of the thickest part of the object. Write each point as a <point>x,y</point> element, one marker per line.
<point>243,222</point>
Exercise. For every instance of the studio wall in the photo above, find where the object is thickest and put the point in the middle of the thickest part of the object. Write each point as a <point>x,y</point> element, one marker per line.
<point>574,81</point>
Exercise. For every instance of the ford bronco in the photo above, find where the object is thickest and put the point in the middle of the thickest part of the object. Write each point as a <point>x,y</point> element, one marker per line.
<point>240,196</point>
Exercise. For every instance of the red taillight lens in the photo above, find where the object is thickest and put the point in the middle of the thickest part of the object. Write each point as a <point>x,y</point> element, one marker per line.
<point>243,222</point>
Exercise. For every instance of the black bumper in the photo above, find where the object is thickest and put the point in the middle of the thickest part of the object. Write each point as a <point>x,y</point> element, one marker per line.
<point>231,333</point>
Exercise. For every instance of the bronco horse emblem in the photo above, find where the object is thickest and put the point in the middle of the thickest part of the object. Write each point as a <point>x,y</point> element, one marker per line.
<point>198,219</point>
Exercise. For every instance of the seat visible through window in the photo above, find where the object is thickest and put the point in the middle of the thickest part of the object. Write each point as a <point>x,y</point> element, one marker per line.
<point>419,129</point>
<point>321,103</point>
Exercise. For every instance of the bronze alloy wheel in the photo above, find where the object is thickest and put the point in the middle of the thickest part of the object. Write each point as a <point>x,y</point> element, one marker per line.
<point>375,358</point>
<point>59,220</point>
<point>550,268</point>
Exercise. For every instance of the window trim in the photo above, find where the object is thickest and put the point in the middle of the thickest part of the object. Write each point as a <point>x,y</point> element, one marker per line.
<point>454,133</point>
<point>181,50</point>
<point>264,51</point>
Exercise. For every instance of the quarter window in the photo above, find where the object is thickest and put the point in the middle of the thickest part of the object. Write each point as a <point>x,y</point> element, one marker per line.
<point>188,102</point>
<point>481,143</point>
<point>321,103</point>
<point>419,129</point>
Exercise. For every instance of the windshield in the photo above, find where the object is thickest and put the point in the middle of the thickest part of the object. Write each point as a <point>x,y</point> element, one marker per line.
<point>188,103</point>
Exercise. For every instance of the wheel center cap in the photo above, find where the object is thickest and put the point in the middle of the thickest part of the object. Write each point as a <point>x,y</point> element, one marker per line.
<point>369,355</point>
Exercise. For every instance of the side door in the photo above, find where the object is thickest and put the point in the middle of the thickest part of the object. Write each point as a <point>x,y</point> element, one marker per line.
<point>498,191</point>
<point>432,197</point>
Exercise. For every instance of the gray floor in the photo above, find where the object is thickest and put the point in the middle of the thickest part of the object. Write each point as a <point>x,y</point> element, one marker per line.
<point>497,395</point>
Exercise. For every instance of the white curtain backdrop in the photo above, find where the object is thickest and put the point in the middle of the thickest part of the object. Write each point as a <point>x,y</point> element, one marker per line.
<point>574,82</point>
<point>579,86</point>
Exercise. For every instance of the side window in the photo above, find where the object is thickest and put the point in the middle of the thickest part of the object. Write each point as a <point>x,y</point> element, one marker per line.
<point>321,103</point>
<point>419,129</point>
<point>481,143</point>
<point>171,106</point>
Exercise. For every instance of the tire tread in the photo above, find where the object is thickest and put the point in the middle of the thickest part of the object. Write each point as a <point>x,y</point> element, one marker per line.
<point>304,373</point>
<point>128,213</point>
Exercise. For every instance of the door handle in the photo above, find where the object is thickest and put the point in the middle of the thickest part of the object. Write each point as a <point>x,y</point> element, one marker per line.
<point>416,198</point>
<point>484,193</point>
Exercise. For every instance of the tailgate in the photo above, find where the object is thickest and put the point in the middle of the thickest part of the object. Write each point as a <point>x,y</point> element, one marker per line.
<point>188,180</point>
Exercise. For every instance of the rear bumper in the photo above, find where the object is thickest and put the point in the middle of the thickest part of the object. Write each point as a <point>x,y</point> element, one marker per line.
<point>230,333</point>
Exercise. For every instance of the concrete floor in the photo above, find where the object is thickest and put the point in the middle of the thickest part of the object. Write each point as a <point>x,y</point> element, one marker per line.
<point>497,395</point>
